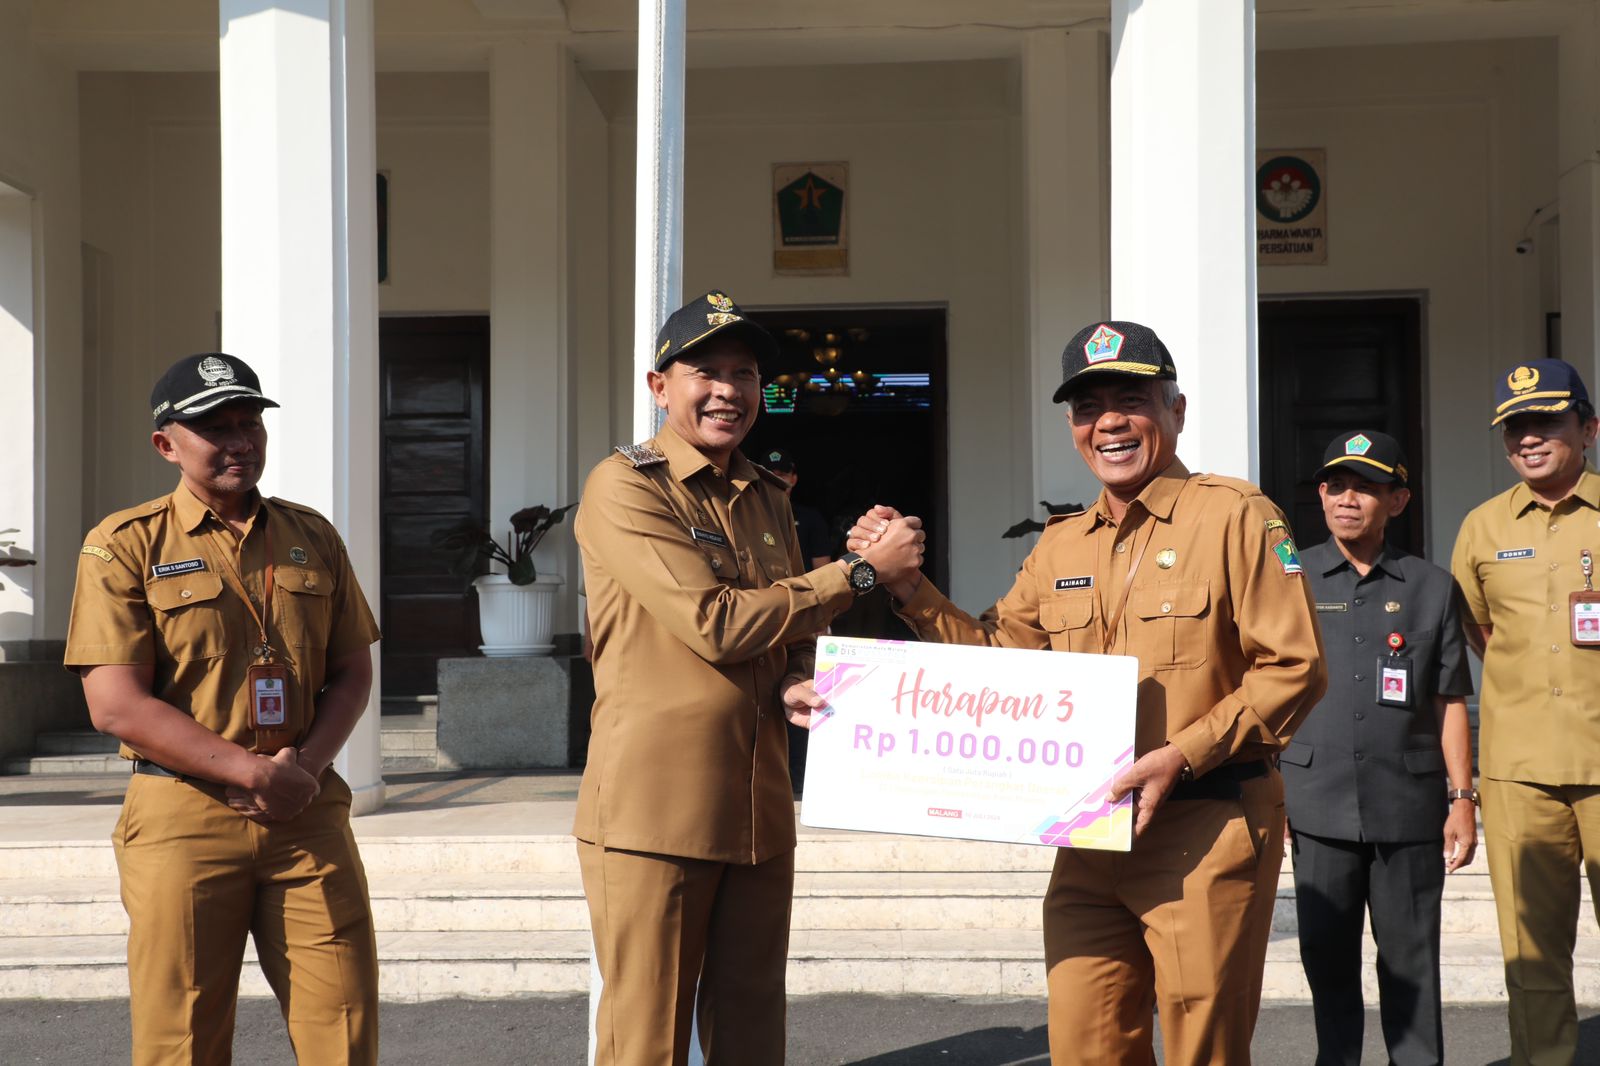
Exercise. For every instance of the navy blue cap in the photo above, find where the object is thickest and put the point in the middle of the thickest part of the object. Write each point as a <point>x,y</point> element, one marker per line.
<point>1114,347</point>
<point>1366,453</point>
<point>711,315</point>
<point>197,383</point>
<point>1547,385</point>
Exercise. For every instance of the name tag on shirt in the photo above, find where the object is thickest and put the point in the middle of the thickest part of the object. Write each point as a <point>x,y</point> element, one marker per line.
<point>1513,553</point>
<point>1327,608</point>
<point>1065,583</point>
<point>187,566</point>
<point>709,537</point>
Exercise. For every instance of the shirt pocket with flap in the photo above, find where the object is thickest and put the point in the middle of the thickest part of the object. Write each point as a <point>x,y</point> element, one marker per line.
<point>304,617</point>
<point>1067,619</point>
<point>1167,625</point>
<point>188,615</point>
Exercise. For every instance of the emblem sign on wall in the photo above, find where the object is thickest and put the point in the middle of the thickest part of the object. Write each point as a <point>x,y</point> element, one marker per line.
<point>810,218</point>
<point>1291,206</point>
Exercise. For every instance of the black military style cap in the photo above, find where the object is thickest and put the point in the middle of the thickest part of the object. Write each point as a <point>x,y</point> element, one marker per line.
<point>1114,347</point>
<point>1548,385</point>
<point>711,315</point>
<point>1366,453</point>
<point>197,383</point>
<point>779,459</point>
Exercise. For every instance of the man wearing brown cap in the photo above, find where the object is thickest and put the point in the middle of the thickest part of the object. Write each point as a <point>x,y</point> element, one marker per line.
<point>703,618</point>
<point>1524,561</point>
<point>1197,576</point>
<point>222,637</point>
<point>1370,774</point>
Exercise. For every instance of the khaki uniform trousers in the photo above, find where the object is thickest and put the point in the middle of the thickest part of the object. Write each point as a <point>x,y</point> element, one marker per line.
<point>1180,922</point>
<point>664,925</point>
<point>197,877</point>
<point>1537,836</point>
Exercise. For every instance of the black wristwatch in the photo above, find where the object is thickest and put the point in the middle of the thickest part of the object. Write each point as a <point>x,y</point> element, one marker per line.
<point>863,577</point>
<point>1463,794</point>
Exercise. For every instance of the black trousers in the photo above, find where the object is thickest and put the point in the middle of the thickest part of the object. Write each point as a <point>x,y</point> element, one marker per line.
<point>1335,883</point>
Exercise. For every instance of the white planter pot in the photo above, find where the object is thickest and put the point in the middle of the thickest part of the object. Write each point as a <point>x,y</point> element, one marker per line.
<point>516,619</point>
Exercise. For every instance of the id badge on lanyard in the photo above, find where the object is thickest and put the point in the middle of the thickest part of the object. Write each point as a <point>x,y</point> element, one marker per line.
<point>1394,674</point>
<point>1584,608</point>
<point>266,682</point>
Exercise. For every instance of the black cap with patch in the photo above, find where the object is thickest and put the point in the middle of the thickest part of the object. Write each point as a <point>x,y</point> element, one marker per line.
<point>1547,386</point>
<point>1368,454</point>
<point>711,315</point>
<point>1114,347</point>
<point>777,459</point>
<point>197,383</point>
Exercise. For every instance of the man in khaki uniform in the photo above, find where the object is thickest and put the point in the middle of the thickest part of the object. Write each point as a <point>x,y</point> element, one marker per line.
<point>702,618</point>
<point>1521,562</point>
<point>222,637</point>
<point>1196,576</point>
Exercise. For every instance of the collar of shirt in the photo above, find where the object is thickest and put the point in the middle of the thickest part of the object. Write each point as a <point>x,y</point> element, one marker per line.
<point>192,512</point>
<point>1157,498</point>
<point>1586,491</point>
<point>1330,560</point>
<point>685,460</point>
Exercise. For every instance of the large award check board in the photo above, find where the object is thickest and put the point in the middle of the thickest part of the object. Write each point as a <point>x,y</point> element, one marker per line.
<point>977,743</point>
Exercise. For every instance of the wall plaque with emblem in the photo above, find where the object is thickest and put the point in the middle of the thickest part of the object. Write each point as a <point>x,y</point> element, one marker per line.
<point>810,218</point>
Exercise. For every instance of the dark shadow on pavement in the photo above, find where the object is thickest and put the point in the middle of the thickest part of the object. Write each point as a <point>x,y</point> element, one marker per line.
<point>986,1047</point>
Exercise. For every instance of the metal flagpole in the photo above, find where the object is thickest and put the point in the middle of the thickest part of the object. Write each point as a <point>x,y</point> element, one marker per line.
<point>657,252</point>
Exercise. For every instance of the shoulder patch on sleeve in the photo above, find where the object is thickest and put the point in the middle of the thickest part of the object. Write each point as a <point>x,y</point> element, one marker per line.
<point>1287,556</point>
<point>640,455</point>
<point>98,552</point>
<point>1276,523</point>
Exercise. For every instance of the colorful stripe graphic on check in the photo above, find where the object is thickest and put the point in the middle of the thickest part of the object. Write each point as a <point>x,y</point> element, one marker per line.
<point>1093,821</point>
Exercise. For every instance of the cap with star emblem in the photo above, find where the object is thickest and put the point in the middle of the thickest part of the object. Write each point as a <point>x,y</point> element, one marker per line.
<point>711,315</point>
<point>1546,385</point>
<point>1113,347</point>
<point>196,384</point>
<point>1365,453</point>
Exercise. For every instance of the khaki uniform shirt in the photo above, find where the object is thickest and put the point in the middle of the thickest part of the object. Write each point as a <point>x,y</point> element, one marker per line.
<point>698,607</point>
<point>1516,560</point>
<point>155,586</point>
<point>1218,613</point>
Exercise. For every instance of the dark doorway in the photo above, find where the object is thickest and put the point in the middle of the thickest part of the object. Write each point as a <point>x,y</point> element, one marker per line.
<point>433,375</point>
<point>1327,367</point>
<point>859,400</point>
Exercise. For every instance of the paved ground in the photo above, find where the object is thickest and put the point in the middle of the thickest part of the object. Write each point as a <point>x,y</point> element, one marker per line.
<point>823,1031</point>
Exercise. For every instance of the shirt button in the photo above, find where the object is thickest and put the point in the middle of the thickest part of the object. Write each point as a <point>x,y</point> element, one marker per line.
<point>1555,566</point>
<point>185,594</point>
<point>1361,677</point>
<point>761,660</point>
<point>1359,756</point>
<point>1359,716</point>
<point>311,582</point>
<point>1555,692</point>
<point>1554,527</point>
<point>1361,640</point>
<point>1554,648</point>
<point>1553,607</point>
<point>1122,547</point>
<point>1360,601</point>
<point>1166,608</point>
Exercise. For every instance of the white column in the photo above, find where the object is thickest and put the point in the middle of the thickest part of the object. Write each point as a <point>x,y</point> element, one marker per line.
<point>299,272</point>
<point>1183,255</point>
<point>658,193</point>
<point>529,375</point>
<point>21,612</point>
<point>1578,134</point>
<point>1064,136</point>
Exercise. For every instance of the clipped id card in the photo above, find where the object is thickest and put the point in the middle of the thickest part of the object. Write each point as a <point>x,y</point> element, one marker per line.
<point>1585,619</point>
<point>268,684</point>
<point>1394,681</point>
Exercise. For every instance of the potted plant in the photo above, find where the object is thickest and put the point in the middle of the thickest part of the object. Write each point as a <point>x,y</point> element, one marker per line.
<point>515,609</point>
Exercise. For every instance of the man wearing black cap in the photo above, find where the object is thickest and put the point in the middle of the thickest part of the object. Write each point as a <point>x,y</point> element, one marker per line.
<point>702,615</point>
<point>222,637</point>
<point>1524,561</point>
<point>816,545</point>
<point>1196,576</point>
<point>1371,772</point>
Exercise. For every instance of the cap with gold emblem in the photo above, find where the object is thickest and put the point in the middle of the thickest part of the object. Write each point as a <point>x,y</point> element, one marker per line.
<point>1548,385</point>
<point>711,315</point>
<point>197,383</point>
<point>1368,454</point>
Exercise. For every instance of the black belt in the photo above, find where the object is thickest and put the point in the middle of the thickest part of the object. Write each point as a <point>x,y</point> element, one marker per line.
<point>1221,783</point>
<point>154,769</point>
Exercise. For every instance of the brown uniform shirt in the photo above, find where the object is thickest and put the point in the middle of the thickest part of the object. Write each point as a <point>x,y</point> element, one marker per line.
<point>155,586</point>
<point>1218,614</point>
<point>1516,560</point>
<point>698,607</point>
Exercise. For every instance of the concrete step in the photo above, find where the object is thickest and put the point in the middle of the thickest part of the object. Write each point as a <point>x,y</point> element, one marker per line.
<point>78,764</point>
<point>74,742</point>
<point>417,966</point>
<point>409,734</point>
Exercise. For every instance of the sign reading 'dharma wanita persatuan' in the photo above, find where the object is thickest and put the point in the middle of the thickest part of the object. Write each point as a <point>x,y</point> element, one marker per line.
<point>810,218</point>
<point>1291,206</point>
<point>976,743</point>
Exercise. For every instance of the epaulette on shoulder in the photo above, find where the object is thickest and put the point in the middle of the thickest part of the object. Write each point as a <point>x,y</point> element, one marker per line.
<point>1239,485</point>
<point>640,454</point>
<point>1053,519</point>
<point>771,475</point>
<point>117,519</point>
<point>290,505</point>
